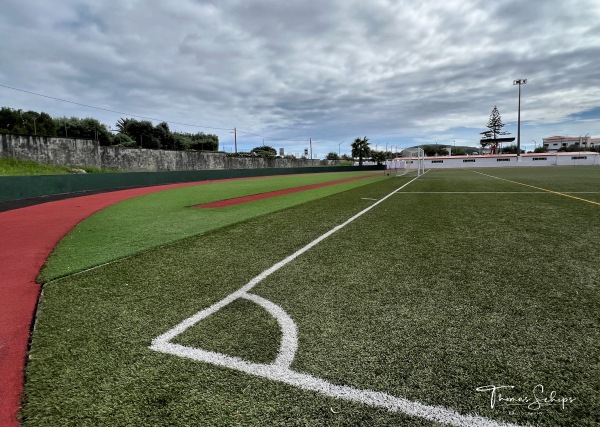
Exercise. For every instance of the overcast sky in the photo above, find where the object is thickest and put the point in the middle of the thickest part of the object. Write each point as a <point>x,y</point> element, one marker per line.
<point>399,72</point>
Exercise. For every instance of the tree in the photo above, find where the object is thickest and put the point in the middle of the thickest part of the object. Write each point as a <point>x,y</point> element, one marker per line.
<point>511,149</point>
<point>142,132</point>
<point>87,128</point>
<point>332,156</point>
<point>361,149</point>
<point>264,151</point>
<point>494,125</point>
<point>123,140</point>
<point>378,156</point>
<point>26,122</point>
<point>162,133</point>
<point>431,150</point>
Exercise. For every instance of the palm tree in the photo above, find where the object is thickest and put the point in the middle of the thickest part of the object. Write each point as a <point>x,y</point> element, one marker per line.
<point>123,124</point>
<point>360,149</point>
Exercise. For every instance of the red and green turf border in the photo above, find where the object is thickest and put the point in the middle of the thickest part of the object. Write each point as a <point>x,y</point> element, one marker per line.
<point>27,237</point>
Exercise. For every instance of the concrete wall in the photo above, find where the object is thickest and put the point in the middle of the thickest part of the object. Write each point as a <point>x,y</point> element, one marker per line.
<point>80,152</point>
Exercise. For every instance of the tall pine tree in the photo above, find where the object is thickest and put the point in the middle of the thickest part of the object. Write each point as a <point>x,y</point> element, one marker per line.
<point>494,125</point>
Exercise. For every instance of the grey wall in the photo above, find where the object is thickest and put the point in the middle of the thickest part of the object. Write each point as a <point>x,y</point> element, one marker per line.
<point>80,152</point>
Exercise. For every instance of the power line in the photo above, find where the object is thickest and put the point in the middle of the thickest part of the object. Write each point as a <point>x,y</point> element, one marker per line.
<point>111,111</point>
<point>272,138</point>
<point>152,118</point>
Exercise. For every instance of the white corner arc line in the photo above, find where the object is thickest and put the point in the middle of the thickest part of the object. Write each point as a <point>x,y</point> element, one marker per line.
<point>279,370</point>
<point>289,331</point>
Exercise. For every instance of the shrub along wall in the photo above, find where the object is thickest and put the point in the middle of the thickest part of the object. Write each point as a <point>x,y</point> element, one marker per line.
<point>81,152</point>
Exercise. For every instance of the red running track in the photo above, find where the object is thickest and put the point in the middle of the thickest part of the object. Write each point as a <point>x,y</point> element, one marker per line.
<point>27,237</point>
<point>260,196</point>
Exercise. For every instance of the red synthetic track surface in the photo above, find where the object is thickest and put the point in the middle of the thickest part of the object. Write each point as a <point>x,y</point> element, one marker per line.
<point>260,196</point>
<point>27,236</point>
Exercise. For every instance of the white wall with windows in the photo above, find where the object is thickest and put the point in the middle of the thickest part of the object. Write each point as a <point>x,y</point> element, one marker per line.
<point>506,160</point>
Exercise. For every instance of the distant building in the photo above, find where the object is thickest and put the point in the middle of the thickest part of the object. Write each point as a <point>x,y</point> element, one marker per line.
<point>555,143</point>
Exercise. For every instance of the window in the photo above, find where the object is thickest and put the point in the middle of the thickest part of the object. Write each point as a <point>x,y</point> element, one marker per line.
<point>468,160</point>
<point>578,157</point>
<point>540,158</point>
<point>437,161</point>
<point>503,160</point>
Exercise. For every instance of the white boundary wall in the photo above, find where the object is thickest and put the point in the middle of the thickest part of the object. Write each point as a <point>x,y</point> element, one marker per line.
<point>510,160</point>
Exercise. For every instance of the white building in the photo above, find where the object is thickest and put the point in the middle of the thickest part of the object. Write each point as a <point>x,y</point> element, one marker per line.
<point>555,143</point>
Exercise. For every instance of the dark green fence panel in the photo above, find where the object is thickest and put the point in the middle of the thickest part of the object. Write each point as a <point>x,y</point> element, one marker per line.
<point>25,187</point>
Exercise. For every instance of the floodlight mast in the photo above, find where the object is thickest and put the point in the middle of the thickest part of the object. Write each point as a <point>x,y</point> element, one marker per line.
<point>519,82</point>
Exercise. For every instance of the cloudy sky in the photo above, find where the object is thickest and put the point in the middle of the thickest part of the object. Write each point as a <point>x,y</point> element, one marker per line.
<point>399,72</point>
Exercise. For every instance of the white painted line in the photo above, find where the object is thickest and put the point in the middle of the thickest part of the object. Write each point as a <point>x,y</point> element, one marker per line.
<point>311,383</point>
<point>289,339</point>
<point>279,370</point>
<point>473,192</point>
<point>497,192</point>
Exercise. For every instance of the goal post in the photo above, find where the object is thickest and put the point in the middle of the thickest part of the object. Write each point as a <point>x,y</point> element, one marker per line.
<point>412,161</point>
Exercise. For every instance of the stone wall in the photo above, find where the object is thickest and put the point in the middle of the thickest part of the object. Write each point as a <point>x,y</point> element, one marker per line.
<point>80,152</point>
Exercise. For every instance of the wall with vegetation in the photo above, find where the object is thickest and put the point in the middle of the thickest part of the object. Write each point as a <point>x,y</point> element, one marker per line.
<point>83,152</point>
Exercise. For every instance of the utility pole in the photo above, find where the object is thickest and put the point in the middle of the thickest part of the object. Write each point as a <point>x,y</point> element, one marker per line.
<point>235,138</point>
<point>519,82</point>
<point>310,144</point>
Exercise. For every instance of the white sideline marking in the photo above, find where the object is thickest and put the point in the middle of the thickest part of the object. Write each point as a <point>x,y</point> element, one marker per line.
<point>280,370</point>
<point>473,192</point>
<point>496,192</point>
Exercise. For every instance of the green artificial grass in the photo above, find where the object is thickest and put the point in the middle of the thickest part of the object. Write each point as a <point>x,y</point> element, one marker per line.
<point>242,329</point>
<point>156,219</point>
<point>439,290</point>
<point>13,167</point>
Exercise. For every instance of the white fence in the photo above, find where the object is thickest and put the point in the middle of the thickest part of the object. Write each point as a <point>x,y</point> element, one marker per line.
<point>504,160</point>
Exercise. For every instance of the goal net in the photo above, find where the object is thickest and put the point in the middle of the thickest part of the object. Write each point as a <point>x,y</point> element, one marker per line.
<point>412,161</point>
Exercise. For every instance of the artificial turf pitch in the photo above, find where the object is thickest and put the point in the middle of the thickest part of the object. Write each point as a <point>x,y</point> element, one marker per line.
<point>459,281</point>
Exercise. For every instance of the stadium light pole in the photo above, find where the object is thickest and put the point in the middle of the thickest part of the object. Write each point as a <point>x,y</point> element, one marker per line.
<point>339,152</point>
<point>519,82</point>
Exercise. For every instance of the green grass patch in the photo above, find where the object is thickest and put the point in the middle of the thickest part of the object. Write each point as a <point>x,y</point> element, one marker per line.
<point>156,219</point>
<point>14,167</point>
<point>429,295</point>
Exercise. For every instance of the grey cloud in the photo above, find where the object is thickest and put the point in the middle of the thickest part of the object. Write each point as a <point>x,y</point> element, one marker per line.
<point>301,68</point>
